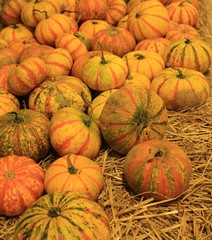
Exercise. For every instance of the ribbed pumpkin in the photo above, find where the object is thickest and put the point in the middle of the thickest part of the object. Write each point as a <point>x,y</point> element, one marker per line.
<point>73,131</point>
<point>3,43</point>
<point>63,215</point>
<point>21,184</point>
<point>134,3</point>
<point>182,31</point>
<point>58,92</point>
<point>196,3</point>
<point>7,56</point>
<point>117,40</point>
<point>146,62</point>
<point>8,102</point>
<point>74,173</point>
<point>149,19</point>
<point>157,168</point>
<point>183,13</point>
<point>4,73</point>
<point>131,115</point>
<point>26,76</point>
<point>24,132</point>
<point>181,88</point>
<point>190,53</point>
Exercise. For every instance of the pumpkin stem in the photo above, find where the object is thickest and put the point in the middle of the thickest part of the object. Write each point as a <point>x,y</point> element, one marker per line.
<point>187,41</point>
<point>139,56</point>
<point>54,212</point>
<point>9,174</point>
<point>36,10</point>
<point>89,105</point>
<point>159,153</point>
<point>129,76</point>
<point>137,15</point>
<point>18,119</point>
<point>71,168</point>
<point>180,74</point>
<point>14,26</point>
<point>103,58</point>
<point>71,11</point>
<point>94,22</point>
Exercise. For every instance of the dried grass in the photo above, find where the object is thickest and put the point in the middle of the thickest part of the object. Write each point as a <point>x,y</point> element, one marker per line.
<point>132,217</point>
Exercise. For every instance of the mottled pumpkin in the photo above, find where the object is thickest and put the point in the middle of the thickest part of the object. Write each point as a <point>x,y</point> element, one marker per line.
<point>73,132</point>
<point>131,115</point>
<point>4,73</point>
<point>181,88</point>
<point>25,133</point>
<point>63,215</point>
<point>74,173</point>
<point>21,184</point>
<point>158,169</point>
<point>59,92</point>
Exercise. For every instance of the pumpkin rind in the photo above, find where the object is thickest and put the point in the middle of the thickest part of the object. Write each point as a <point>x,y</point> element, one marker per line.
<point>24,132</point>
<point>21,184</point>
<point>131,115</point>
<point>77,216</point>
<point>158,169</point>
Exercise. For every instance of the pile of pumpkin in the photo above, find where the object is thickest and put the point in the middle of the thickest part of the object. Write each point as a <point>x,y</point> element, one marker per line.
<point>77,74</point>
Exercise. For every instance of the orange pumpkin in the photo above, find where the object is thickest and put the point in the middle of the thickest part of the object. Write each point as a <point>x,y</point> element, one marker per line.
<point>134,3</point>
<point>123,22</point>
<point>196,3</point>
<point>7,56</point>
<point>3,43</point>
<point>68,9</point>
<point>4,73</point>
<point>74,173</point>
<point>21,184</point>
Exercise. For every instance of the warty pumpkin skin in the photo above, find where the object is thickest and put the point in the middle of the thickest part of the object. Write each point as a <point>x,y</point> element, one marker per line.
<point>75,173</point>
<point>24,132</point>
<point>21,184</point>
<point>63,215</point>
<point>132,115</point>
<point>181,88</point>
<point>158,169</point>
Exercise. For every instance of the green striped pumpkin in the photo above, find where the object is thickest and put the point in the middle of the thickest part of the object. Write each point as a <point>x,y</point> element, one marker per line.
<point>157,168</point>
<point>63,215</point>
<point>189,53</point>
<point>131,115</point>
<point>24,132</point>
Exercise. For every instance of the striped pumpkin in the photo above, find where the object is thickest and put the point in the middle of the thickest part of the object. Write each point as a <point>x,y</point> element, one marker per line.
<point>134,3</point>
<point>190,53</point>
<point>77,216</point>
<point>157,169</point>
<point>4,73</point>
<point>21,184</point>
<point>24,132</point>
<point>196,3</point>
<point>59,92</point>
<point>149,19</point>
<point>73,132</point>
<point>26,76</point>
<point>8,102</point>
<point>74,173</point>
<point>131,115</point>
<point>181,88</point>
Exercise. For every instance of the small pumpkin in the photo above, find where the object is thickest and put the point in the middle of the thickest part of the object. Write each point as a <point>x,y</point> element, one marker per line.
<point>21,184</point>
<point>25,133</point>
<point>75,173</point>
<point>158,169</point>
<point>78,217</point>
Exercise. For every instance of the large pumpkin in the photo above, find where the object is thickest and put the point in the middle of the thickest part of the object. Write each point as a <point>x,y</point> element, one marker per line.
<point>158,169</point>
<point>24,132</point>
<point>73,131</point>
<point>181,88</point>
<point>131,115</point>
<point>190,53</point>
<point>21,184</point>
<point>75,173</point>
<point>63,215</point>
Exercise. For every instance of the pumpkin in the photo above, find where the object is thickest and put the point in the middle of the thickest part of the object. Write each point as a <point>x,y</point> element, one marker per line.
<point>3,43</point>
<point>182,31</point>
<point>189,53</point>
<point>97,104</point>
<point>132,115</point>
<point>68,8</point>
<point>4,73</point>
<point>116,9</point>
<point>183,13</point>
<point>47,30</point>
<point>74,173</point>
<point>149,19</point>
<point>7,56</point>
<point>104,72</point>
<point>84,38</point>
<point>92,9</point>
<point>134,3</point>
<point>153,44</point>
<point>71,43</point>
<point>63,215</point>
<point>123,22</point>
<point>158,169</point>
<point>181,88</point>
<point>148,63</point>
<point>8,102</point>
<point>196,3</point>
<point>24,132</point>
<point>21,184</point>
<point>58,92</point>
<point>15,31</point>
<point>117,40</point>
<point>26,76</point>
<point>135,78</point>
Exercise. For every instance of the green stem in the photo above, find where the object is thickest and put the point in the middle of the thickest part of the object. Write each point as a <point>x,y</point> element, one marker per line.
<point>129,76</point>
<point>54,212</point>
<point>17,118</point>
<point>103,58</point>
<point>36,10</point>
<point>71,168</point>
<point>88,123</point>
